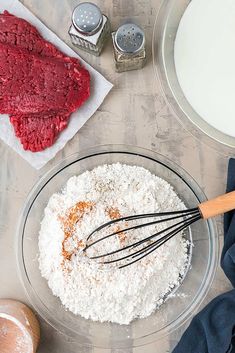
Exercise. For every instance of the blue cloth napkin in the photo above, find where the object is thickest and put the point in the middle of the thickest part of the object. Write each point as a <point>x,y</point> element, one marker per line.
<point>213,329</point>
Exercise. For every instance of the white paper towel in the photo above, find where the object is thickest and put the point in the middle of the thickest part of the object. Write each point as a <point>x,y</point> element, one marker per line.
<point>99,89</point>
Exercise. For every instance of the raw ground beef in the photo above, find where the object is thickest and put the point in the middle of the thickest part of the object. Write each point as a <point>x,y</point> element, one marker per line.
<point>17,31</point>
<point>39,131</point>
<point>35,84</point>
<point>37,134</point>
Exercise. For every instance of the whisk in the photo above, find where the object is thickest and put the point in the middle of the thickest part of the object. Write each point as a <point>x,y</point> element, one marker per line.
<point>136,251</point>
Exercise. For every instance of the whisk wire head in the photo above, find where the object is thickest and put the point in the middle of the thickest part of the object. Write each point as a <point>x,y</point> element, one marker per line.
<point>189,217</point>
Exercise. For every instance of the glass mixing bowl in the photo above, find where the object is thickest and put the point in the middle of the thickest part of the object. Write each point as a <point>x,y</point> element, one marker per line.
<point>165,30</point>
<point>175,311</point>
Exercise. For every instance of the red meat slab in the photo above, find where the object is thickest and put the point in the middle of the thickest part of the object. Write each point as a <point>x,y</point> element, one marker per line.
<point>30,83</point>
<point>20,33</point>
<point>40,133</point>
<point>17,31</point>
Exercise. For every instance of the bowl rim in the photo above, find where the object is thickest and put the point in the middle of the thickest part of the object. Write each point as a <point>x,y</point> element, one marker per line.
<point>213,138</point>
<point>130,150</point>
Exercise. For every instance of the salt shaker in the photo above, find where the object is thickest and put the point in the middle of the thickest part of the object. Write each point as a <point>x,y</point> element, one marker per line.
<point>90,28</point>
<point>129,47</point>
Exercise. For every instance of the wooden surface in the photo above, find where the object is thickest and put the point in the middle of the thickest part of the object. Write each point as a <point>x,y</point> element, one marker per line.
<point>133,113</point>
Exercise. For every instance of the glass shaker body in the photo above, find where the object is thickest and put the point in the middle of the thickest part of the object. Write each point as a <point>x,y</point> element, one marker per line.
<point>129,48</point>
<point>89,29</point>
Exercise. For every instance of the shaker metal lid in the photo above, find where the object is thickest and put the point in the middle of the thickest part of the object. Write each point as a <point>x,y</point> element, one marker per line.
<point>87,18</point>
<point>129,38</point>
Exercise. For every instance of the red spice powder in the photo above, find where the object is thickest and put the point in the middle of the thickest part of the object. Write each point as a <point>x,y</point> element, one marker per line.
<point>69,221</point>
<point>114,213</point>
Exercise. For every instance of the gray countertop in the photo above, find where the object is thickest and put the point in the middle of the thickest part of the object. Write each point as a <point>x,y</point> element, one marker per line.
<point>133,113</point>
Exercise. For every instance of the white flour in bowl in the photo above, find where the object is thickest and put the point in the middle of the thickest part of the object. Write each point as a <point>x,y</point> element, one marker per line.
<point>87,201</point>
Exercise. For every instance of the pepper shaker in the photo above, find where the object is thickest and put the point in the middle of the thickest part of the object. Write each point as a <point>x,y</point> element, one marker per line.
<point>129,47</point>
<point>90,28</point>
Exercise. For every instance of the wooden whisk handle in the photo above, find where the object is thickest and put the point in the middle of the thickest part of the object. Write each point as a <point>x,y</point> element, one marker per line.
<point>217,206</point>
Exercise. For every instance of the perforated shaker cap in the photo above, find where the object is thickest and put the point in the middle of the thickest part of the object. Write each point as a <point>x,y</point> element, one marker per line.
<point>129,38</point>
<point>87,18</point>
